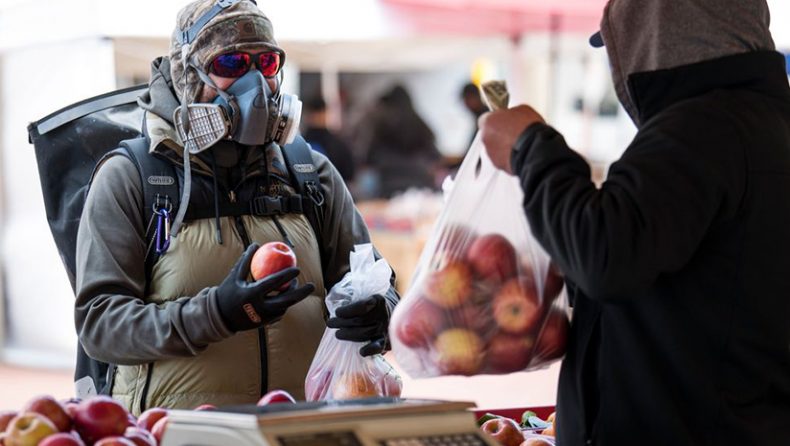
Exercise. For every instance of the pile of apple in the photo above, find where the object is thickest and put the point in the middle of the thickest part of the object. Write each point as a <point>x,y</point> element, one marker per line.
<point>99,421</point>
<point>481,307</point>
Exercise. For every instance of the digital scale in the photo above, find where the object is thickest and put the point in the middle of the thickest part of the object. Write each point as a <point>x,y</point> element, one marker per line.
<point>365,422</point>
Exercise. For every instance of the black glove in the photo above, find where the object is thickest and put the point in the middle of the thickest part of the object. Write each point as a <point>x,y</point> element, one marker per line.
<point>246,305</point>
<point>362,321</point>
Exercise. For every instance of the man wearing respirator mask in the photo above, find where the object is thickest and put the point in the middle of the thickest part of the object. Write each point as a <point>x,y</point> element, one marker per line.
<point>189,328</point>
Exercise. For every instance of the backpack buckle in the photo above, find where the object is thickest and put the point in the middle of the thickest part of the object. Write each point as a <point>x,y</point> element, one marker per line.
<point>266,205</point>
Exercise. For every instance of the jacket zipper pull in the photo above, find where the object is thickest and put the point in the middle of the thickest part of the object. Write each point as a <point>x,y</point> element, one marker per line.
<point>232,196</point>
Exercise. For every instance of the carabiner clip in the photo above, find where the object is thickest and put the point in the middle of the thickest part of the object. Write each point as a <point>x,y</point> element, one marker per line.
<point>162,230</point>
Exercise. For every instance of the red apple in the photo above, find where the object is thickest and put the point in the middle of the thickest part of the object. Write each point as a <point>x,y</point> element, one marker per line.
<point>274,397</point>
<point>62,439</point>
<point>509,353</point>
<point>516,307</point>
<point>459,352</point>
<point>114,441</point>
<point>28,429</point>
<point>206,407</point>
<point>50,408</point>
<point>553,284</point>
<point>553,336</point>
<point>316,385</point>
<point>449,286</point>
<point>6,417</point>
<point>100,417</point>
<point>159,429</point>
<point>270,258</point>
<point>416,323</point>
<point>149,417</point>
<point>474,316</point>
<point>493,258</point>
<point>139,437</point>
<point>503,430</point>
<point>352,385</point>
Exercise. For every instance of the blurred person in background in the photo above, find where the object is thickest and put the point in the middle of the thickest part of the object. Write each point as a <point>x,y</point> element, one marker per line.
<point>677,267</point>
<point>194,329</point>
<point>399,146</point>
<point>473,102</point>
<point>325,141</point>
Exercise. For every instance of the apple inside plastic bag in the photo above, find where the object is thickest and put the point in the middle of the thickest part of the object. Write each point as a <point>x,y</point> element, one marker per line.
<point>484,297</point>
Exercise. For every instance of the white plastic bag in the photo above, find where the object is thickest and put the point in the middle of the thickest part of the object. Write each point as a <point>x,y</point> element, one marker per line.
<point>484,295</point>
<point>338,371</point>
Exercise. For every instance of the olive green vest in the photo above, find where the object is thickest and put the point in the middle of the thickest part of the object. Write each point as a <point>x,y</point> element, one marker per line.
<point>229,372</point>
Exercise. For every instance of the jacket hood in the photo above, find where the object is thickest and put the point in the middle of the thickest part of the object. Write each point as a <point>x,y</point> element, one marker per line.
<point>650,35</point>
<point>160,98</point>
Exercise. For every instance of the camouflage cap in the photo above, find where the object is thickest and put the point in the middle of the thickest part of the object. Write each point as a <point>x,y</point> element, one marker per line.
<point>241,26</point>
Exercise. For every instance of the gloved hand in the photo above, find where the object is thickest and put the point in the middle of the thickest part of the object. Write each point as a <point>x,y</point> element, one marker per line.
<point>362,321</point>
<point>246,305</point>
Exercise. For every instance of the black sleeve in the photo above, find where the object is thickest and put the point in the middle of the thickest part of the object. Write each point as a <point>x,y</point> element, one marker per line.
<point>649,216</point>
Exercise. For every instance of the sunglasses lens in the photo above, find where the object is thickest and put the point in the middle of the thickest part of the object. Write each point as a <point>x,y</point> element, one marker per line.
<point>269,63</point>
<point>231,64</point>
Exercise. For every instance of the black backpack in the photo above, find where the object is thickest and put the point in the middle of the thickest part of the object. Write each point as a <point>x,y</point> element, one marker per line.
<point>71,141</point>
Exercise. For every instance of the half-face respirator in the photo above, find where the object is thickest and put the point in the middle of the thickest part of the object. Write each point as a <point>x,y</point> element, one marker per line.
<point>248,112</point>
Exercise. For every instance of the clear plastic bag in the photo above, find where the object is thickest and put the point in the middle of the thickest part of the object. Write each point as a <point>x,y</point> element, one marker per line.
<point>484,298</point>
<point>338,371</point>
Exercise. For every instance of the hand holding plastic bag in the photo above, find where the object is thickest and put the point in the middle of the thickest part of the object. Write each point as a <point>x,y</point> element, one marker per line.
<point>338,370</point>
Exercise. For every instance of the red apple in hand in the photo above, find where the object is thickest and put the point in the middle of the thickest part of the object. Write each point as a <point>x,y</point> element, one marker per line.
<point>449,286</point>
<point>503,430</point>
<point>62,439</point>
<point>416,323</point>
<point>270,258</point>
<point>516,308</point>
<point>459,352</point>
<point>50,408</point>
<point>274,397</point>
<point>147,419</point>
<point>492,257</point>
<point>100,417</point>
<point>28,429</point>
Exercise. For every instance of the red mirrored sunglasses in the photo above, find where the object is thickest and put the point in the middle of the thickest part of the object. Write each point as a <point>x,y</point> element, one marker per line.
<point>237,63</point>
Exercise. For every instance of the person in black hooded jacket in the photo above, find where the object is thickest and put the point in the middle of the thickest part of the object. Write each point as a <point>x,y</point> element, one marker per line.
<point>677,267</point>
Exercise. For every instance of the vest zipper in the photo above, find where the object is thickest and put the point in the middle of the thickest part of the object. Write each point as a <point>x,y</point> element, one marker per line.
<point>245,238</point>
<point>144,393</point>
<point>282,231</point>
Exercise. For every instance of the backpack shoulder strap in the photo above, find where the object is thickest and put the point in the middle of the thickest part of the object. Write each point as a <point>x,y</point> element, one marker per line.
<point>299,159</point>
<point>160,191</point>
